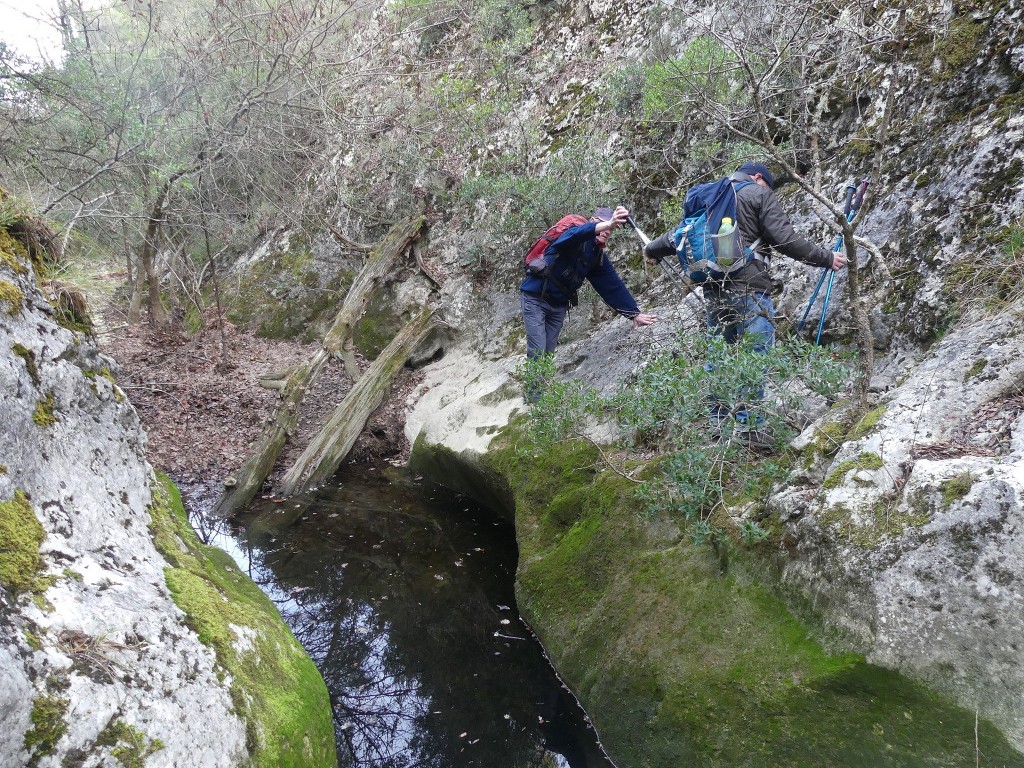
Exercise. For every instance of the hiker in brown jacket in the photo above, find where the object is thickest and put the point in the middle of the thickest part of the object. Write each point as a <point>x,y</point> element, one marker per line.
<point>739,303</point>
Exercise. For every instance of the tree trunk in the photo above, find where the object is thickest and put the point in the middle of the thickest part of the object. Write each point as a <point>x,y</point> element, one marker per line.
<point>862,323</point>
<point>260,464</point>
<point>378,266</point>
<point>328,450</point>
<point>139,285</point>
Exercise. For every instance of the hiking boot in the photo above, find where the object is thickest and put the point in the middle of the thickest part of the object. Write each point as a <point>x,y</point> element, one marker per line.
<point>757,440</point>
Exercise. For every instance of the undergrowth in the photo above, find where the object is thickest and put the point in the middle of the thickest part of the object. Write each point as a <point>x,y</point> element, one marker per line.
<point>689,407</point>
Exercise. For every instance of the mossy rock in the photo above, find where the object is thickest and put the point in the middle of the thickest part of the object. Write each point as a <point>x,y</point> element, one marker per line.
<point>284,295</point>
<point>955,488</point>
<point>43,415</point>
<point>886,518</point>
<point>128,744</point>
<point>866,424</point>
<point>21,534</point>
<point>29,358</point>
<point>13,253</point>
<point>275,687</point>
<point>49,724</point>
<point>12,296</point>
<point>678,664</point>
<point>961,46</point>
<point>378,325</point>
<point>864,461</point>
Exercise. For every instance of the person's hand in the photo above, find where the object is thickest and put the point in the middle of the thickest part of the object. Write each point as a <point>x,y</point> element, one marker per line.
<point>641,320</point>
<point>619,216</point>
<point>839,261</point>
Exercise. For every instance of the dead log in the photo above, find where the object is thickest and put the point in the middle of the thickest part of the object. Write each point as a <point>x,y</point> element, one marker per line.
<point>377,268</point>
<point>328,450</point>
<point>261,462</point>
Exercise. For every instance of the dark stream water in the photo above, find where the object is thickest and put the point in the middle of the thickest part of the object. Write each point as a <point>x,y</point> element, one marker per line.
<point>402,593</point>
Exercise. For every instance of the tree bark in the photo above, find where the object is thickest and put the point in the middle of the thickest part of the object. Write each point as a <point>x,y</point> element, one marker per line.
<point>260,464</point>
<point>138,286</point>
<point>328,450</point>
<point>378,266</point>
<point>862,323</point>
<point>150,244</point>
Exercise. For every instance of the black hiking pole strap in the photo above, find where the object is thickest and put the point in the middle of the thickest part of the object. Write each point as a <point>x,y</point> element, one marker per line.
<point>639,233</point>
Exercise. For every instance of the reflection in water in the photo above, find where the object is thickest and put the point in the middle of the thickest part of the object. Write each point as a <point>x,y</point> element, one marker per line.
<point>401,592</point>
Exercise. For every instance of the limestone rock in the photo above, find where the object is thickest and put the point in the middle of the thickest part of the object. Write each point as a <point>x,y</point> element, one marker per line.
<point>102,641</point>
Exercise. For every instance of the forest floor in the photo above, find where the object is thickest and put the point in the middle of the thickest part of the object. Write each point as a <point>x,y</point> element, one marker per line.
<point>200,402</point>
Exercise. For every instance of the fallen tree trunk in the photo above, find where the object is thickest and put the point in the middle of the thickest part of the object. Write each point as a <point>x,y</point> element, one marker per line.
<point>378,266</point>
<point>261,462</point>
<point>293,390</point>
<point>328,450</point>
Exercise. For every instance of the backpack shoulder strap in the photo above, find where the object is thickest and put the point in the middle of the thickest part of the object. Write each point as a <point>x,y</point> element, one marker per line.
<point>738,184</point>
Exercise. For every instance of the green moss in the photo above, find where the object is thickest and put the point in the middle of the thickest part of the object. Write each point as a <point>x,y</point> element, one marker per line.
<point>20,537</point>
<point>862,147</point>
<point>827,440</point>
<point>961,45</point>
<point>49,724</point>
<point>867,424</point>
<point>680,665</point>
<point>11,295</point>
<point>129,745</point>
<point>956,488</point>
<point>275,686</point>
<point>378,325</point>
<point>865,460</point>
<point>35,642</point>
<point>978,367</point>
<point>29,358</point>
<point>884,519</point>
<point>281,296</point>
<point>105,373</point>
<point>43,414</point>
<point>12,253</point>
<point>905,287</point>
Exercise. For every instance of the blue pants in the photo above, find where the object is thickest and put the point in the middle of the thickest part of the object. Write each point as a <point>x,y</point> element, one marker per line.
<point>543,321</point>
<point>733,315</point>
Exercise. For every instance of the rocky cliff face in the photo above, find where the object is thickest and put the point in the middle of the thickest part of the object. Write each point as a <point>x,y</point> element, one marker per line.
<point>899,536</point>
<point>904,539</point>
<point>121,637</point>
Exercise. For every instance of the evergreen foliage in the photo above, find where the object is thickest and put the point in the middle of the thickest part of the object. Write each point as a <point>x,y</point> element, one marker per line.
<point>665,410</point>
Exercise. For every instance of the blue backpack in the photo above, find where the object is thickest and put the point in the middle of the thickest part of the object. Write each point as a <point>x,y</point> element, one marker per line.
<point>707,249</point>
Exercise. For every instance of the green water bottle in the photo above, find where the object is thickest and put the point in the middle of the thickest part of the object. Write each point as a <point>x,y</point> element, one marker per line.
<point>726,253</point>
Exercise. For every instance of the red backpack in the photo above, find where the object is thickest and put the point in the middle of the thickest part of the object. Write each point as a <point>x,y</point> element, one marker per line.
<point>536,264</point>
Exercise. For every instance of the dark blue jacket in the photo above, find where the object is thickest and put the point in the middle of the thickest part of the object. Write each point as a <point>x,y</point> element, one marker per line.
<point>576,257</point>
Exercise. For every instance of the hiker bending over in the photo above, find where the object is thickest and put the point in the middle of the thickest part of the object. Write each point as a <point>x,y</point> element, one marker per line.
<point>739,304</point>
<point>578,254</point>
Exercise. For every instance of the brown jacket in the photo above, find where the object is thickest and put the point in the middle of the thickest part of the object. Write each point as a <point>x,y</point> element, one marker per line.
<point>759,216</point>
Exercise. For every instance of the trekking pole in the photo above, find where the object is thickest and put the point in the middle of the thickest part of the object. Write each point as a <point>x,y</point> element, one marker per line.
<point>674,274</point>
<point>852,204</point>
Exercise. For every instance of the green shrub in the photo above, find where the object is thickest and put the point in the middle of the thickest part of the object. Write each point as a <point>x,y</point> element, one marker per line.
<point>704,469</point>
<point>514,208</point>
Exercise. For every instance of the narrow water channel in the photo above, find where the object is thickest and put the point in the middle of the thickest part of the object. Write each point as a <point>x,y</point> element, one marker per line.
<point>402,593</point>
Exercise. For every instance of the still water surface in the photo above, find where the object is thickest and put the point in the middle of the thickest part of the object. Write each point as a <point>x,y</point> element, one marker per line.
<point>402,593</point>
